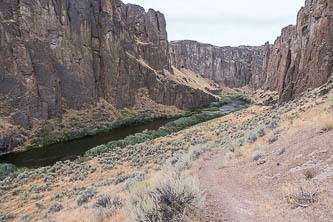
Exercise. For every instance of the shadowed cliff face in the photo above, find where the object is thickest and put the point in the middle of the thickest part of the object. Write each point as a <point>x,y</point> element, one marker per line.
<point>230,66</point>
<point>67,54</point>
<point>302,57</point>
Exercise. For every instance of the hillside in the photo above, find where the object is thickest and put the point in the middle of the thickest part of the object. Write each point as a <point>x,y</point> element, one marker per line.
<point>251,165</point>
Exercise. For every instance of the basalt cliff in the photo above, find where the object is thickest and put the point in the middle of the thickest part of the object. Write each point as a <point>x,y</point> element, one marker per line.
<point>233,67</point>
<point>301,58</point>
<point>68,54</point>
<point>59,56</point>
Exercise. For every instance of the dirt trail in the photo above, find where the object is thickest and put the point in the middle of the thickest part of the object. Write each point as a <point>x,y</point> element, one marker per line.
<point>230,197</point>
<point>254,191</point>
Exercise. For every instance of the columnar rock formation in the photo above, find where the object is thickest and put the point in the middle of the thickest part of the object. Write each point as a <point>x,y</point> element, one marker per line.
<point>302,57</point>
<point>229,66</point>
<point>67,54</point>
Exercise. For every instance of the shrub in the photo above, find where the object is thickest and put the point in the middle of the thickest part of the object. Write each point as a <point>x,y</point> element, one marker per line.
<point>230,97</point>
<point>273,138</point>
<point>170,199</point>
<point>309,174</point>
<point>131,121</point>
<point>185,161</point>
<point>85,196</point>
<point>261,131</point>
<point>107,205</point>
<point>225,100</point>
<point>6,170</point>
<point>211,109</point>
<point>169,128</point>
<point>56,207</point>
<point>252,138</point>
<point>4,216</point>
<point>301,197</point>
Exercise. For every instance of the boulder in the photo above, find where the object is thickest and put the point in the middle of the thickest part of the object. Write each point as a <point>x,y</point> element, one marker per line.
<point>22,119</point>
<point>8,142</point>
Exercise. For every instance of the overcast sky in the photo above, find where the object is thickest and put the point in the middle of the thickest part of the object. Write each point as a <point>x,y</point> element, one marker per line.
<point>225,22</point>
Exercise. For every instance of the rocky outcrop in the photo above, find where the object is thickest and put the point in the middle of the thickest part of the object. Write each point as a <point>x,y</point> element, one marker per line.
<point>68,54</point>
<point>8,142</point>
<point>230,66</point>
<point>22,119</point>
<point>302,57</point>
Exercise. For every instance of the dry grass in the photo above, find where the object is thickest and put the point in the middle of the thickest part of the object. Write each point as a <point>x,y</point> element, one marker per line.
<point>326,122</point>
<point>301,195</point>
<point>330,100</point>
<point>145,105</point>
<point>171,198</point>
<point>189,78</point>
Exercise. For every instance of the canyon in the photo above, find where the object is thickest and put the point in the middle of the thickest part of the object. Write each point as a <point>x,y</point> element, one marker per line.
<point>70,55</point>
<point>103,119</point>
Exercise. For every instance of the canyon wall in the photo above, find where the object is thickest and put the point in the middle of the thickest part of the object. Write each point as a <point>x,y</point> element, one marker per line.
<point>229,66</point>
<point>68,54</point>
<point>302,57</point>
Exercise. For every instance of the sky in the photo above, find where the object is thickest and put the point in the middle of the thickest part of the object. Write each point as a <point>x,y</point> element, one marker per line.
<point>225,22</point>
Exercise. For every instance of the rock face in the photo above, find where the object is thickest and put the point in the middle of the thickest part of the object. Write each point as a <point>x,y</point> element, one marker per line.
<point>302,57</point>
<point>21,119</point>
<point>68,54</point>
<point>8,142</point>
<point>229,66</point>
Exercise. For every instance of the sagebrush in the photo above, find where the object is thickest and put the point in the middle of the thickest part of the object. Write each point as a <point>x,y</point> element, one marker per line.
<point>171,199</point>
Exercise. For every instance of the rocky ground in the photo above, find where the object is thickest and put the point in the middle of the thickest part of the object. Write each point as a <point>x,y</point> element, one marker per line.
<point>265,163</point>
